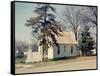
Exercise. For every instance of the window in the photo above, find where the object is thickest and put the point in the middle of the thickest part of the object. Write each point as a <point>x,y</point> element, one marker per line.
<point>58,49</point>
<point>64,48</point>
<point>71,49</point>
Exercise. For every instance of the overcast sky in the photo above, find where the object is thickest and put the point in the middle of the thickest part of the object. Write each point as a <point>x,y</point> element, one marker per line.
<point>23,11</point>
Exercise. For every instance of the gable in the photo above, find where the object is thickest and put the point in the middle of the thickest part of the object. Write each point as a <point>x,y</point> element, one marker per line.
<point>67,38</point>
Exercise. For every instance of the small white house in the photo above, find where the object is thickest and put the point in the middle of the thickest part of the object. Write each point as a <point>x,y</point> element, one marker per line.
<point>67,48</point>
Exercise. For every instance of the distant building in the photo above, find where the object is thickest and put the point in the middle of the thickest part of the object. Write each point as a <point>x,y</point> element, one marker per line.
<point>20,49</point>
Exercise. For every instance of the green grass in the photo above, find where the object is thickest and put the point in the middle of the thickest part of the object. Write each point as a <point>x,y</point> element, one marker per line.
<point>20,60</point>
<point>62,58</point>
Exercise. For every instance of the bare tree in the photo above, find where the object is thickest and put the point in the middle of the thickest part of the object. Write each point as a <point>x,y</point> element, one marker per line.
<point>72,18</point>
<point>79,16</point>
<point>90,17</point>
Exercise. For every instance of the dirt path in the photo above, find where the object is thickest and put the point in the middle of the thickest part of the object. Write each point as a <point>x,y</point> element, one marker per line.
<point>70,64</point>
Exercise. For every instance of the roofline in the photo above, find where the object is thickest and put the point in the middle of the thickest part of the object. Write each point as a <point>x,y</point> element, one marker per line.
<point>69,44</point>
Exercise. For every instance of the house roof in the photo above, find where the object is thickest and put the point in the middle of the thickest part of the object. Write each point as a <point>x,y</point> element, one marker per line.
<point>67,38</point>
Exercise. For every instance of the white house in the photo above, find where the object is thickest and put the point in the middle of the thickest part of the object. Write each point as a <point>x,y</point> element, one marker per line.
<point>67,44</point>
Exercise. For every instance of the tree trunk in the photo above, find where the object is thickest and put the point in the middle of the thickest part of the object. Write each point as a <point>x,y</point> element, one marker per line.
<point>75,36</point>
<point>44,28</point>
<point>43,53</point>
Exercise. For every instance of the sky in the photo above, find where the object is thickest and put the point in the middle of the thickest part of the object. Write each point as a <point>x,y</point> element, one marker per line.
<point>23,11</point>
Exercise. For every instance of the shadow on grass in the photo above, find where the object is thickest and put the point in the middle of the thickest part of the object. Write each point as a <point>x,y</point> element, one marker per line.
<point>59,59</point>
